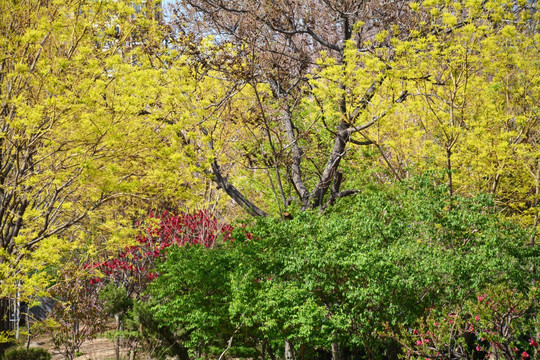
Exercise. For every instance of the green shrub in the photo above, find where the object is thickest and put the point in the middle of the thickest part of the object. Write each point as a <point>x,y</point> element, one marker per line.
<point>354,276</point>
<point>27,354</point>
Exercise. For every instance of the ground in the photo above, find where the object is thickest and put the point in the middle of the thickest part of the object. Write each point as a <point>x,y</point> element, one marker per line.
<point>97,349</point>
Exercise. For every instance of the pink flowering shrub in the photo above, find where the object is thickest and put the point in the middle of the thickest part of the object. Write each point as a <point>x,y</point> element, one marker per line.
<point>498,324</point>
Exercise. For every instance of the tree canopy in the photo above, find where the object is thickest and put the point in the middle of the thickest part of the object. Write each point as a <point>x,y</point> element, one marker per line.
<point>80,156</point>
<point>329,95</point>
<point>320,115</point>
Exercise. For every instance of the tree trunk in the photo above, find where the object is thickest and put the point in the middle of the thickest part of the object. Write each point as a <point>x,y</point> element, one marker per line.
<point>117,339</point>
<point>5,325</point>
<point>335,349</point>
<point>288,351</point>
<point>338,151</point>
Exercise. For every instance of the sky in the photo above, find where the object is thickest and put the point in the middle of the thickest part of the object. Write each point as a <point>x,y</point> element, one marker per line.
<point>166,4</point>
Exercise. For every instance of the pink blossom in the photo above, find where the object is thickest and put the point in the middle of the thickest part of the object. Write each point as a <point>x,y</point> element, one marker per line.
<point>418,342</point>
<point>524,355</point>
<point>533,343</point>
<point>476,317</point>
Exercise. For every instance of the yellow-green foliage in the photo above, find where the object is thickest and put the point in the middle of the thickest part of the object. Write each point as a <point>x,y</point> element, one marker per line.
<point>473,77</point>
<point>95,110</point>
<point>86,107</point>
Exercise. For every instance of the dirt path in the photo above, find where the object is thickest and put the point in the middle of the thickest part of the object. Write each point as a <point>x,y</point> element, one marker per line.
<point>97,349</point>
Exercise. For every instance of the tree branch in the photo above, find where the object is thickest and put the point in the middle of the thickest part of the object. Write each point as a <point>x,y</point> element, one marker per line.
<point>237,196</point>
<point>345,193</point>
<point>297,156</point>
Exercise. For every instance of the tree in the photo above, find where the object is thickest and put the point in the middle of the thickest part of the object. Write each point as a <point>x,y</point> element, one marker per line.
<point>279,44</point>
<point>282,106</point>
<point>75,134</point>
<point>474,117</point>
<point>77,315</point>
<point>364,90</point>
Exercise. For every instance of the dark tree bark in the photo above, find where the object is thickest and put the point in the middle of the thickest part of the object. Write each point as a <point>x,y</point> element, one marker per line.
<point>223,183</point>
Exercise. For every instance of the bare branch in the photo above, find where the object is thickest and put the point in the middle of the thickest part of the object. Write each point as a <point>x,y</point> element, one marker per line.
<point>223,183</point>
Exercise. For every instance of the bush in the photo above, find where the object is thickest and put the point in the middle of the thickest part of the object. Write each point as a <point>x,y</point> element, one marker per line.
<point>353,277</point>
<point>27,354</point>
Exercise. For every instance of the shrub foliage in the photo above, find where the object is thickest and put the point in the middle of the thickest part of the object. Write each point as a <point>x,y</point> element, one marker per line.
<point>357,281</point>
